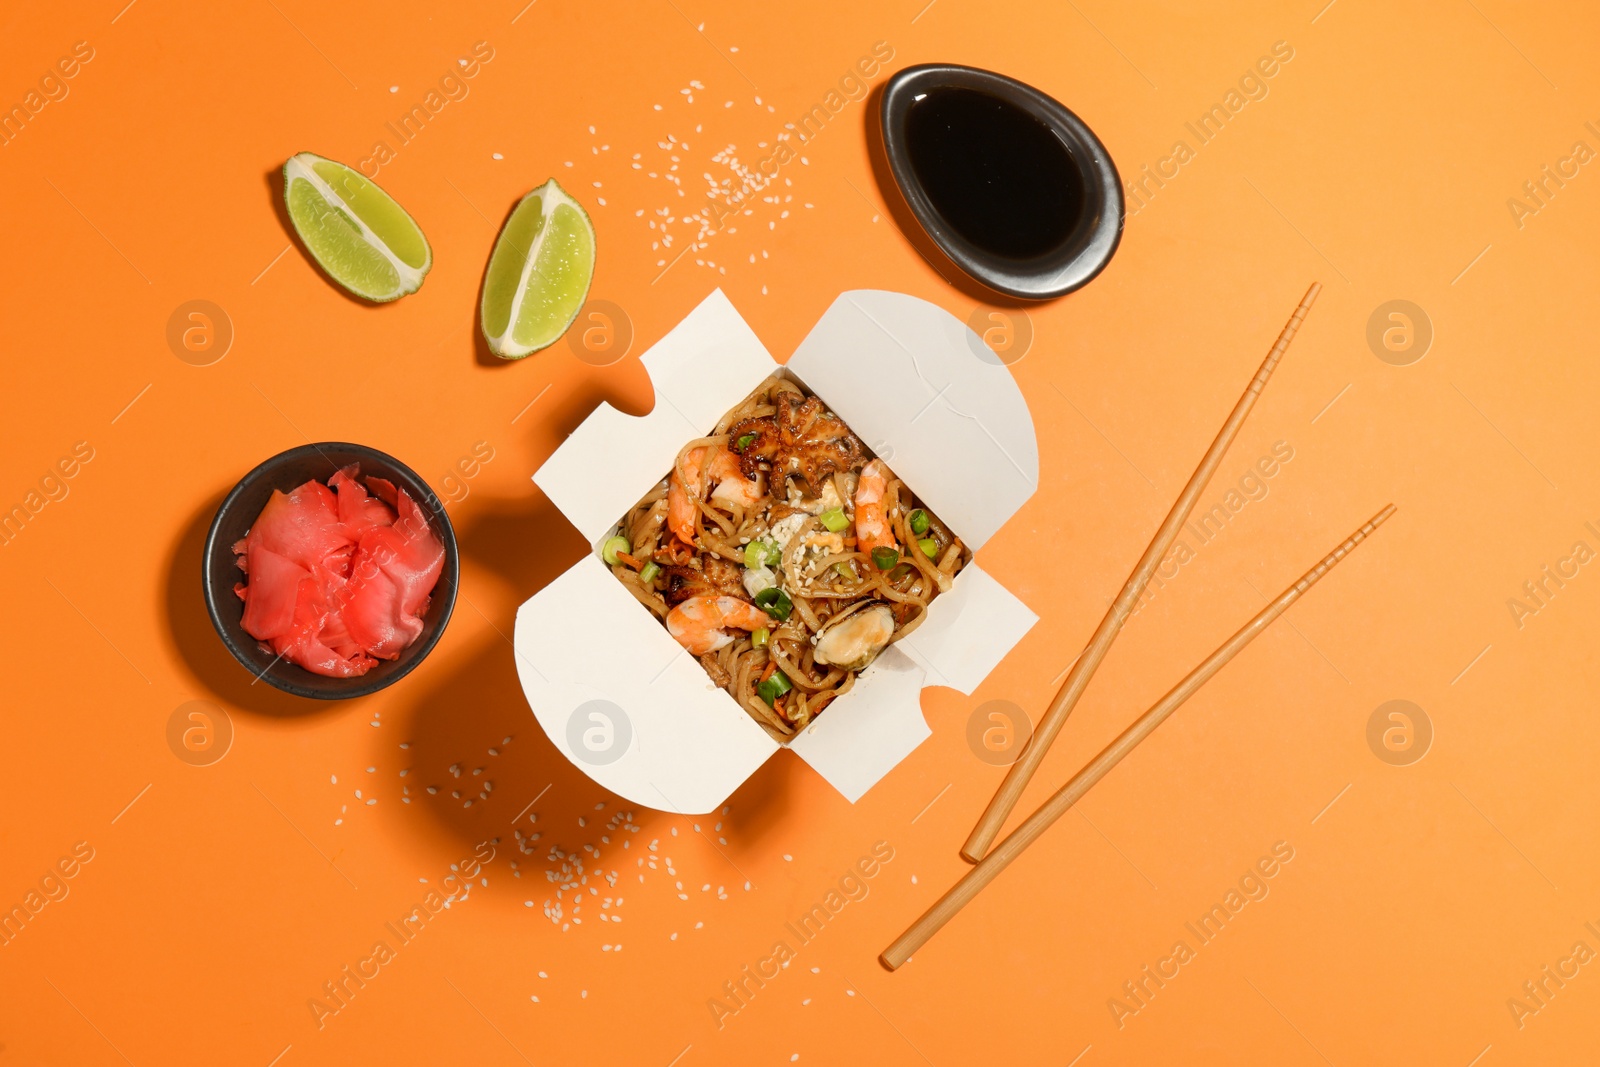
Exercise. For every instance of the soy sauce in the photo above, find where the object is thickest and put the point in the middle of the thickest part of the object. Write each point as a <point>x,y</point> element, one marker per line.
<point>1000,177</point>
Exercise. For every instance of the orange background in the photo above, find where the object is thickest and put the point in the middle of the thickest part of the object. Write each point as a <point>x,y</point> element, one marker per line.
<point>1420,897</point>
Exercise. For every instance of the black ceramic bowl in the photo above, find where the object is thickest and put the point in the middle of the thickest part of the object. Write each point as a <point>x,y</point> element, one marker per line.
<point>1074,260</point>
<point>219,573</point>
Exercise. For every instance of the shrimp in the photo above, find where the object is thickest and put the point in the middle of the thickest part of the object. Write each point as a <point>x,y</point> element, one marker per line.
<point>699,623</point>
<point>731,484</point>
<point>872,519</point>
<point>684,488</point>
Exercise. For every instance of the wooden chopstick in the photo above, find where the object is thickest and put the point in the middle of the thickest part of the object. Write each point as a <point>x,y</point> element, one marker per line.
<point>1017,777</point>
<point>973,882</point>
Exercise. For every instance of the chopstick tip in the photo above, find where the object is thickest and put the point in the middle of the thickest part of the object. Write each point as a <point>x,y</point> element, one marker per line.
<point>1311,294</point>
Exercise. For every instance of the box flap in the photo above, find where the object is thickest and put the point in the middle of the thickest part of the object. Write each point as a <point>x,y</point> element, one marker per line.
<point>968,630</point>
<point>623,701</point>
<point>862,735</point>
<point>954,427</point>
<point>706,364</point>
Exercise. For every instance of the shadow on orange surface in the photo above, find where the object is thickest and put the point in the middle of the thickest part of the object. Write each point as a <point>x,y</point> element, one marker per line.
<point>496,775</point>
<point>525,539</point>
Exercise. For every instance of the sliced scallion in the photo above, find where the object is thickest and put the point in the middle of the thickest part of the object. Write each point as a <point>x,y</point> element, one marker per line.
<point>834,520</point>
<point>609,550</point>
<point>918,521</point>
<point>648,572</point>
<point>743,442</point>
<point>885,557</point>
<point>774,687</point>
<point>775,602</point>
<point>761,554</point>
<point>759,637</point>
<point>930,547</point>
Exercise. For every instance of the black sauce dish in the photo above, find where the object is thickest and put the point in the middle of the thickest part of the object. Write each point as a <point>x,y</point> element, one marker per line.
<point>1007,182</point>
<point>219,572</point>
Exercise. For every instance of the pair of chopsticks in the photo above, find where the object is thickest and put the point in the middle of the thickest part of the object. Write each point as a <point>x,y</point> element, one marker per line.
<point>977,848</point>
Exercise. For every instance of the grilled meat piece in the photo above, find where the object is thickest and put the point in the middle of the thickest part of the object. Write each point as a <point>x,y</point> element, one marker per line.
<point>719,677</point>
<point>707,576</point>
<point>801,438</point>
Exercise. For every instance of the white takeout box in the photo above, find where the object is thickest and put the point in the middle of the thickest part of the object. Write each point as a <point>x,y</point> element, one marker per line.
<point>635,711</point>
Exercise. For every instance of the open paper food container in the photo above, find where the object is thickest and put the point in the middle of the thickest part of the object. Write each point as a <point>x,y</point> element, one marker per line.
<point>635,711</point>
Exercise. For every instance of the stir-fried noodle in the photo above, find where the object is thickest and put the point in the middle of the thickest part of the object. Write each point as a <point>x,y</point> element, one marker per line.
<point>783,555</point>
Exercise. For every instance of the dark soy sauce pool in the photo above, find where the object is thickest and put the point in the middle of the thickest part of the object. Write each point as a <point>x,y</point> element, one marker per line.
<point>997,175</point>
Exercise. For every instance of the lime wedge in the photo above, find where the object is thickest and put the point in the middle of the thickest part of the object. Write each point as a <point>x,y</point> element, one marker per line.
<point>359,236</point>
<point>538,274</point>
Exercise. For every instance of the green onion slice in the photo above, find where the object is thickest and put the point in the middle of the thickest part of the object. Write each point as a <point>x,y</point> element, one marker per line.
<point>884,557</point>
<point>648,572</point>
<point>609,550</point>
<point>834,520</point>
<point>775,602</point>
<point>743,442</point>
<point>774,687</point>
<point>759,637</point>
<point>761,554</point>
<point>918,521</point>
<point>930,547</point>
